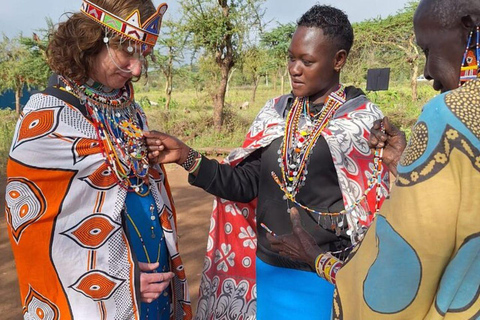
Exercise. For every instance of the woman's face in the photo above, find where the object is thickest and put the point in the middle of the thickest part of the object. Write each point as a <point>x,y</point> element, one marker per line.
<point>443,48</point>
<point>114,67</point>
<point>314,64</point>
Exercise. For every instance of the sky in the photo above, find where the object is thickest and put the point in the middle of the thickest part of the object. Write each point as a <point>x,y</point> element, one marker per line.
<point>27,16</point>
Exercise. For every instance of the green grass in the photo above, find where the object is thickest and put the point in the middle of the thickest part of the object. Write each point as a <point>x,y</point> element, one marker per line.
<point>397,104</point>
<point>190,115</point>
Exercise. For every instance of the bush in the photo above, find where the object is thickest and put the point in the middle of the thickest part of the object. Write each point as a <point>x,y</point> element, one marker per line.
<point>7,127</point>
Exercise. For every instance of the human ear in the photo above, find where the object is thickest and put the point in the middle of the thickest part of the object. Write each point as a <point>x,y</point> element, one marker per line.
<point>340,59</point>
<point>470,21</point>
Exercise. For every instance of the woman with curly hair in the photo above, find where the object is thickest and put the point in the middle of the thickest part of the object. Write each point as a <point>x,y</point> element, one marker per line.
<point>92,223</point>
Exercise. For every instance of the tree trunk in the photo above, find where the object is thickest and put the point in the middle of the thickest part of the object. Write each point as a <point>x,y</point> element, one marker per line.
<point>18,95</point>
<point>266,80</point>
<point>169,79</point>
<point>285,74</point>
<point>228,81</point>
<point>413,81</point>
<point>256,80</point>
<point>282,84</point>
<point>167,102</point>
<point>224,57</point>
<point>219,99</point>
<point>169,95</point>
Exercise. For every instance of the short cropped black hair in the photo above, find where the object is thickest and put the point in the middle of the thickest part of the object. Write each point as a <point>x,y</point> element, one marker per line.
<point>334,23</point>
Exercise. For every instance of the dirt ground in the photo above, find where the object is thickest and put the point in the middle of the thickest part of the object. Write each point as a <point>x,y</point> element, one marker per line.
<point>193,208</point>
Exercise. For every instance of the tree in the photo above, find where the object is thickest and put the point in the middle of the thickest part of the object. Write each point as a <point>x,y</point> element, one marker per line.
<point>389,41</point>
<point>170,51</point>
<point>254,66</point>
<point>277,42</point>
<point>22,63</point>
<point>220,29</point>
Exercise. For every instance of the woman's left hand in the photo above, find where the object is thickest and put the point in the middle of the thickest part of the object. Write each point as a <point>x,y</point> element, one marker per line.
<point>299,245</point>
<point>152,284</point>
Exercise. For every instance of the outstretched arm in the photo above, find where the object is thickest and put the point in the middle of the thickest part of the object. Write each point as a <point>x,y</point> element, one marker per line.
<point>238,183</point>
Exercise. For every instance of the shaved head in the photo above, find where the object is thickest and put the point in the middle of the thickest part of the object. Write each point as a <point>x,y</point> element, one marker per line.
<point>449,13</point>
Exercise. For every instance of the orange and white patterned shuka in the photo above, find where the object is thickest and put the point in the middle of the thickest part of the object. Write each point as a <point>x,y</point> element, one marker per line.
<point>63,208</point>
<point>228,285</point>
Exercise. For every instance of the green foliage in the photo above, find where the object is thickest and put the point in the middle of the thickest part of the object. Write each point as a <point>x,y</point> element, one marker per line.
<point>7,126</point>
<point>388,42</point>
<point>396,103</point>
<point>217,26</point>
<point>22,63</point>
<point>277,42</point>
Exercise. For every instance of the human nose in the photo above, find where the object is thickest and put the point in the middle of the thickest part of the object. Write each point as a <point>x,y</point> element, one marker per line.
<point>294,68</point>
<point>135,66</point>
<point>426,73</point>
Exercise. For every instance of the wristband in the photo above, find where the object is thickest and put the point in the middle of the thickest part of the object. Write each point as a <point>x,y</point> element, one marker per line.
<point>327,266</point>
<point>193,161</point>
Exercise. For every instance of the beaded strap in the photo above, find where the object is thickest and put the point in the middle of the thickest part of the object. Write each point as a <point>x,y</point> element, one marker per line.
<point>327,266</point>
<point>193,161</point>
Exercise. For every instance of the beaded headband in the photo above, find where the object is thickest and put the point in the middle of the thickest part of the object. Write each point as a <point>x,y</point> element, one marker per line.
<point>131,28</point>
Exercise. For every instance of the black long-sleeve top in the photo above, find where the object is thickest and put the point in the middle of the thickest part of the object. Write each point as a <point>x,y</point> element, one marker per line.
<point>252,178</point>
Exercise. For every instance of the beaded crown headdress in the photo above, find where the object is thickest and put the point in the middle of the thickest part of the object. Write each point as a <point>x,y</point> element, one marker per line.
<point>131,28</point>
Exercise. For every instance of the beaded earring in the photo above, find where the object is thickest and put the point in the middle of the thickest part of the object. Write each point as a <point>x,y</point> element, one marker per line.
<point>471,58</point>
<point>130,47</point>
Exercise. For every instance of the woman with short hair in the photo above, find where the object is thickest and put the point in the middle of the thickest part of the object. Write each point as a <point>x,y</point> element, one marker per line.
<point>308,150</point>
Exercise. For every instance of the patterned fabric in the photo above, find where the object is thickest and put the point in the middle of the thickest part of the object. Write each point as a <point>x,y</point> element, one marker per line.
<point>421,257</point>
<point>228,287</point>
<point>63,208</point>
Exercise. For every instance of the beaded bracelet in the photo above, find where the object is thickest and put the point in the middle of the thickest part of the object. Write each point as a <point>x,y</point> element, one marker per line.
<point>327,266</point>
<point>193,161</point>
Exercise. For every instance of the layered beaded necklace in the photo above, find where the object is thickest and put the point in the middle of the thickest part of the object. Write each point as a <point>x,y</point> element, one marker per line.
<point>298,143</point>
<point>118,125</point>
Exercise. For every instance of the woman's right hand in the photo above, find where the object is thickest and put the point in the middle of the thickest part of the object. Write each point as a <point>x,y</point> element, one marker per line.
<point>153,284</point>
<point>298,245</point>
<point>392,141</point>
<point>163,148</point>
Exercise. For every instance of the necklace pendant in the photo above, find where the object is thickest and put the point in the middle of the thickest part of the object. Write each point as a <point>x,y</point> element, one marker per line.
<point>152,216</point>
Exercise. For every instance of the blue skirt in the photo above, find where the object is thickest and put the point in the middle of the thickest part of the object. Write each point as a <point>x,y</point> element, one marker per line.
<point>284,293</point>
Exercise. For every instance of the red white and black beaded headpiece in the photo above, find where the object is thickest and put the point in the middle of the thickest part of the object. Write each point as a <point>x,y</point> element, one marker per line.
<point>130,29</point>
<point>470,69</point>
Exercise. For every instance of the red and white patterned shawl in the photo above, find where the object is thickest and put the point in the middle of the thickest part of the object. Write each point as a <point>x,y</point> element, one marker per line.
<point>228,286</point>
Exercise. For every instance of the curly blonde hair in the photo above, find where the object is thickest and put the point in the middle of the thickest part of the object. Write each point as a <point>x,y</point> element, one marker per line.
<point>75,43</point>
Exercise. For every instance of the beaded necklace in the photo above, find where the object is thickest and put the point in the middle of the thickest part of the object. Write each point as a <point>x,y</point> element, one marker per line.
<point>296,150</point>
<point>294,154</point>
<point>118,125</point>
